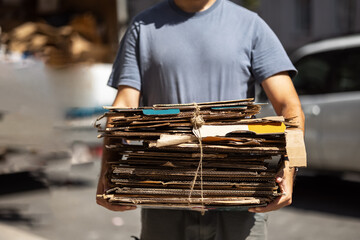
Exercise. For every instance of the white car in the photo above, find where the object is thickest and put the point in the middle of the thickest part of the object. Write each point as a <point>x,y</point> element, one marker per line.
<point>328,84</point>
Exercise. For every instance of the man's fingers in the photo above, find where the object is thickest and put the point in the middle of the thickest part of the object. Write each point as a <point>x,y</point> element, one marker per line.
<point>284,178</point>
<point>270,207</point>
<point>278,203</point>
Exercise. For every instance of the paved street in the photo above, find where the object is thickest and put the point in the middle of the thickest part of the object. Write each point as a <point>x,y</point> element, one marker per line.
<point>60,205</point>
<point>64,208</point>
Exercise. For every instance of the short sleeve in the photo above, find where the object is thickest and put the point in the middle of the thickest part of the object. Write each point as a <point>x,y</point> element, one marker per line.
<point>268,56</point>
<point>125,69</point>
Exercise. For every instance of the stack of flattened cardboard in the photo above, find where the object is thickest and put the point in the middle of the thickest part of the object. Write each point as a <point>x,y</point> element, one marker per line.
<point>59,46</point>
<point>205,155</point>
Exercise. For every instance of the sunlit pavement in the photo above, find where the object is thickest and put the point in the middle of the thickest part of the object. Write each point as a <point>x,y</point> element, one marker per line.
<point>65,208</point>
<point>61,205</point>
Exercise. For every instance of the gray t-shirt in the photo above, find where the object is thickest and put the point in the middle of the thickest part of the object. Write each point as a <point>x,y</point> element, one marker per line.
<point>218,54</point>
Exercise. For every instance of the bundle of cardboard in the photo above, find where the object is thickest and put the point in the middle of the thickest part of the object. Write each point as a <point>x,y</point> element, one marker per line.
<point>195,156</point>
<point>59,46</point>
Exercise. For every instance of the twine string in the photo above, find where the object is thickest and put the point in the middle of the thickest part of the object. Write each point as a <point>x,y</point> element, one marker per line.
<point>197,121</point>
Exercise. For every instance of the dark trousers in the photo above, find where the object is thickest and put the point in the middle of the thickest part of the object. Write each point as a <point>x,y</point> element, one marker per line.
<point>191,225</point>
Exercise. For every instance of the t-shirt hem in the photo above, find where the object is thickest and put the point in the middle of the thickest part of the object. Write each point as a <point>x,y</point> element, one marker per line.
<point>292,73</point>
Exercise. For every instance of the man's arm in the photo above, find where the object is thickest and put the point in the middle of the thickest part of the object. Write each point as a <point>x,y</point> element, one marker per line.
<point>282,95</point>
<point>126,97</point>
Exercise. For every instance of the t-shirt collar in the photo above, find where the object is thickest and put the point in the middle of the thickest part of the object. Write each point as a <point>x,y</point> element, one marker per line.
<point>187,14</point>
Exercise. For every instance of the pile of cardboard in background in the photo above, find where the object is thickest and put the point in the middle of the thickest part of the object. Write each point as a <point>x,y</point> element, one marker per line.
<point>162,162</point>
<point>76,42</point>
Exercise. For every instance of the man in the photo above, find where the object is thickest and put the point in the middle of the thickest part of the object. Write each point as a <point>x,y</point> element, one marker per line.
<point>183,51</point>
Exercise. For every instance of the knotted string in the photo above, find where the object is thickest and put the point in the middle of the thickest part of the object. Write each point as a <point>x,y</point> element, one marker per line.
<point>197,121</point>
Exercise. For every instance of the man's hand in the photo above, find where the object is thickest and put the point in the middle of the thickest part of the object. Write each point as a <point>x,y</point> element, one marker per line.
<point>285,179</point>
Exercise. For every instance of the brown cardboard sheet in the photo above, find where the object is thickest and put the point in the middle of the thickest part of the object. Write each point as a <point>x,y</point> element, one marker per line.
<point>295,148</point>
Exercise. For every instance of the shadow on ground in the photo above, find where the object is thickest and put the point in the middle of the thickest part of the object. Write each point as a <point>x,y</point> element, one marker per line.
<point>21,182</point>
<point>328,194</point>
<point>16,184</point>
<point>30,181</point>
<point>14,214</point>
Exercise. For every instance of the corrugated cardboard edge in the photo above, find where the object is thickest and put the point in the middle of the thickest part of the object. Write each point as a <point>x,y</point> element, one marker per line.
<point>200,208</point>
<point>295,148</point>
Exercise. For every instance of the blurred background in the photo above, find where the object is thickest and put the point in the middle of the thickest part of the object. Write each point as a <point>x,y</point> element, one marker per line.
<point>55,59</point>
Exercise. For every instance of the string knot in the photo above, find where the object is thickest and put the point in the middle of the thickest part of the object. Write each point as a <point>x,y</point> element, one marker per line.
<point>197,120</point>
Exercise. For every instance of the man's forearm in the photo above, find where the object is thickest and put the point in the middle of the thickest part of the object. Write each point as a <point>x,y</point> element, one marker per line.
<point>283,97</point>
<point>294,111</point>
